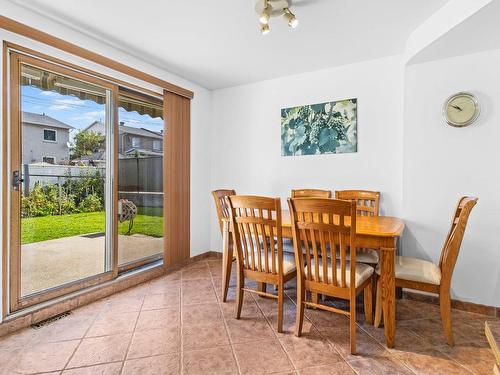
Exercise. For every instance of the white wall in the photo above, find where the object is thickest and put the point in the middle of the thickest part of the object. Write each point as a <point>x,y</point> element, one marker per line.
<point>246,127</point>
<point>442,163</point>
<point>200,108</point>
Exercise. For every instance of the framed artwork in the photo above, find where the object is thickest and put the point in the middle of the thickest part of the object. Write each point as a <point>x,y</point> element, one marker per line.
<point>325,128</point>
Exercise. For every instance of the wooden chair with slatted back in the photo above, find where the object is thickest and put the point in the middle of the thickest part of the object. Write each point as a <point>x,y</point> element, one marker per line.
<point>311,193</point>
<point>321,226</point>
<point>259,246</point>
<point>222,208</point>
<point>367,204</point>
<point>419,274</point>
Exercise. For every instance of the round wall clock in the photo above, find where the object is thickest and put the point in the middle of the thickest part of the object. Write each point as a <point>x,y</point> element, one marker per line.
<point>461,109</point>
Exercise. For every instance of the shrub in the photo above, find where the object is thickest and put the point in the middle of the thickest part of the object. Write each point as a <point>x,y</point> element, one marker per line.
<point>91,203</point>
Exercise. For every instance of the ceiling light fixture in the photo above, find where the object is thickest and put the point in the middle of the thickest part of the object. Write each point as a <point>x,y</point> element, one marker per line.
<point>293,22</point>
<point>274,8</point>
<point>265,15</point>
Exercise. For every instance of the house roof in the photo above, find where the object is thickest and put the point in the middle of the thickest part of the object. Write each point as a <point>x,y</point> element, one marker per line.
<point>43,120</point>
<point>131,130</point>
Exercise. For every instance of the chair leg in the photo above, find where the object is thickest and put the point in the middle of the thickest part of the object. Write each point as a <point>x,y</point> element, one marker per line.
<point>281,300</point>
<point>239,293</point>
<point>227,264</point>
<point>367,294</point>
<point>301,294</point>
<point>352,324</point>
<point>378,306</point>
<point>445,307</point>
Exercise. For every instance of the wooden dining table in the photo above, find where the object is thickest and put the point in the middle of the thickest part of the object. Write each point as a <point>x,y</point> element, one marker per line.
<point>373,232</point>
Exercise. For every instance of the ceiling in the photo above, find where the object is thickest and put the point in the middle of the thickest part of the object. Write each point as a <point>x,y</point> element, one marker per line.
<point>217,43</point>
<point>478,33</point>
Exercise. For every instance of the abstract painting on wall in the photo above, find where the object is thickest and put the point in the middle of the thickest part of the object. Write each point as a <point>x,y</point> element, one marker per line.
<point>326,128</point>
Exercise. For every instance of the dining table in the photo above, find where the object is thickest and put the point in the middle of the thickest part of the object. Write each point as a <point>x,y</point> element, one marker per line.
<point>374,232</point>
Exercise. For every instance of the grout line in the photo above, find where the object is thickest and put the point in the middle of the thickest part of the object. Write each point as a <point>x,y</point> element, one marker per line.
<point>219,303</point>
<point>133,333</point>
<point>84,335</point>
<point>276,334</point>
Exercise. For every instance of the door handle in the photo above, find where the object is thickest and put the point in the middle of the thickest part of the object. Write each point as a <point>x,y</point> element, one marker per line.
<point>16,180</point>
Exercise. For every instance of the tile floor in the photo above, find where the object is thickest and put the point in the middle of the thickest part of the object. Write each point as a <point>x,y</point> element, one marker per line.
<point>177,324</point>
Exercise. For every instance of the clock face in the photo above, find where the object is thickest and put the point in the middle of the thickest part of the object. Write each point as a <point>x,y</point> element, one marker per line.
<point>461,109</point>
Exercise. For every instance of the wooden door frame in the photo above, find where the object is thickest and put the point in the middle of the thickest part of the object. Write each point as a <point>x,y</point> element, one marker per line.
<point>16,300</point>
<point>178,114</point>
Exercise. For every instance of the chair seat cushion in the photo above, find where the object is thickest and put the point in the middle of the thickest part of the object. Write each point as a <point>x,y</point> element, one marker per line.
<point>363,272</point>
<point>288,262</point>
<point>414,269</point>
<point>363,255</point>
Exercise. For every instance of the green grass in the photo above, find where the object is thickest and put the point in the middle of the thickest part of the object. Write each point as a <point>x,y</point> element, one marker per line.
<point>45,228</point>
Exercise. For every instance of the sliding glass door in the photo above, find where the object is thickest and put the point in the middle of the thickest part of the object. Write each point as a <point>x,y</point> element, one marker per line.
<point>61,164</point>
<point>140,179</point>
<point>86,162</point>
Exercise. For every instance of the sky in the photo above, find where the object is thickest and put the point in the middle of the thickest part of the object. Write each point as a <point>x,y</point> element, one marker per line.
<point>79,113</point>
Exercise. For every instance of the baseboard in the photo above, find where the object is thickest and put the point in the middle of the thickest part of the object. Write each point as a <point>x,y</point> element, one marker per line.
<point>130,279</point>
<point>456,304</point>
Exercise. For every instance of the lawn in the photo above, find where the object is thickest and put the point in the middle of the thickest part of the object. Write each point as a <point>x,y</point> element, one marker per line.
<point>45,228</point>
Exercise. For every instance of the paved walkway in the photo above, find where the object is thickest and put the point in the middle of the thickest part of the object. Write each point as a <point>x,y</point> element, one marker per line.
<point>55,262</point>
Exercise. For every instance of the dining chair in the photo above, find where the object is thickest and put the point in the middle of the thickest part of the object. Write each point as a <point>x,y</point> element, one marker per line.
<point>367,204</point>
<point>320,225</point>
<point>258,240</point>
<point>220,199</point>
<point>311,193</point>
<point>419,274</point>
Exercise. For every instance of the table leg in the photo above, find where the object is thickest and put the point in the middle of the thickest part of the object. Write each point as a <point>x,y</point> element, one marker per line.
<point>388,284</point>
<point>227,260</point>
<point>399,251</point>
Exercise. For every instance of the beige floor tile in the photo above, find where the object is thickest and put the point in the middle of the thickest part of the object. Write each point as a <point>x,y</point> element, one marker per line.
<point>123,303</point>
<point>151,319</point>
<point>19,339</point>
<point>198,291</point>
<point>310,350</point>
<point>43,357</point>
<point>113,323</point>
<point>214,361</point>
<point>339,368</point>
<point>170,300</point>
<point>477,358</point>
<point>248,329</point>
<point>431,361</point>
<point>97,350</point>
<point>154,342</point>
<point>105,369</point>
<point>168,364</point>
<point>161,286</point>
<point>204,336</point>
<point>366,346</point>
<point>261,357</point>
<point>380,366</point>
<point>196,273</point>
<point>201,314</point>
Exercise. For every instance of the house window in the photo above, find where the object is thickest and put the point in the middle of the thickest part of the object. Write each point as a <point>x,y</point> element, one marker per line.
<point>136,142</point>
<point>157,145</point>
<point>49,159</point>
<point>49,135</point>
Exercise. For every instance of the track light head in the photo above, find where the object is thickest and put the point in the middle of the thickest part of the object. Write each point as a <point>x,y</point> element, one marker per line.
<point>265,15</point>
<point>264,29</point>
<point>293,22</point>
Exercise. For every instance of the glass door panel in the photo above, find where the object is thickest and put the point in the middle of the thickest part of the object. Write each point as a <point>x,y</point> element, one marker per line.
<point>62,131</point>
<point>140,181</point>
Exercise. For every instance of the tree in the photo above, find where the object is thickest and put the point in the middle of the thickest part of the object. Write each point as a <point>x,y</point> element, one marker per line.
<point>86,143</point>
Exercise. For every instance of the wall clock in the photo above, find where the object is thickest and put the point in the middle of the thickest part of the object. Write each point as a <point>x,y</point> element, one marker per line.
<point>461,109</point>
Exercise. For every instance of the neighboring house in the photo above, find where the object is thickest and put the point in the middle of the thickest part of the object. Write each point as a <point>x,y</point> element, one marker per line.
<point>45,139</point>
<point>132,140</point>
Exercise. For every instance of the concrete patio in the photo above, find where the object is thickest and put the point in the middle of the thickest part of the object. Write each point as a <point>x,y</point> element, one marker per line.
<point>56,262</point>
